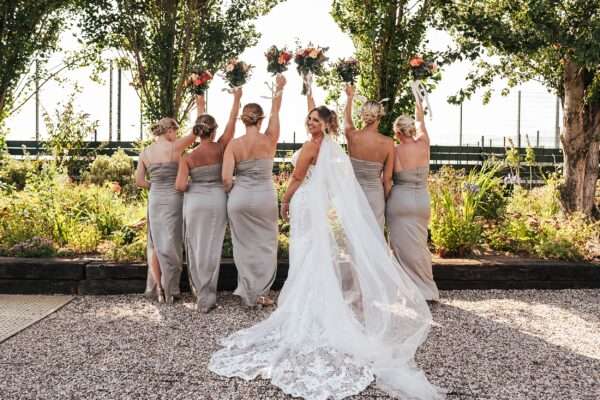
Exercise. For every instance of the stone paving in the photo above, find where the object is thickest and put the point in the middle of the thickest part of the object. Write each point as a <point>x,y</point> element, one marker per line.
<point>485,345</point>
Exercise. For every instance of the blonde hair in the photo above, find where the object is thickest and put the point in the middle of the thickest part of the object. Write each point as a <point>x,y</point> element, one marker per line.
<point>205,126</point>
<point>162,126</point>
<point>252,114</point>
<point>404,125</point>
<point>371,112</point>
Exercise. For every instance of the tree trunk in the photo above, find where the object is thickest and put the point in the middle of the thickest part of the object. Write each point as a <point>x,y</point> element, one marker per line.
<point>581,143</point>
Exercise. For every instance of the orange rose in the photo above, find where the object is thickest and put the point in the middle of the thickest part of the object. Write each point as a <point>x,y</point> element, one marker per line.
<point>416,62</point>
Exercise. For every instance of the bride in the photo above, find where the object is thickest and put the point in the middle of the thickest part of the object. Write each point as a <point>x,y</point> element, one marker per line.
<point>347,314</point>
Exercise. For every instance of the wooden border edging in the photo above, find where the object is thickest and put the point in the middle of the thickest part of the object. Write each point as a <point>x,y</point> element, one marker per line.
<point>95,277</point>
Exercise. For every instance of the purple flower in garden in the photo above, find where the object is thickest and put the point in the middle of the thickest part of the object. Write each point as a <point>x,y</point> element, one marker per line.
<point>471,187</point>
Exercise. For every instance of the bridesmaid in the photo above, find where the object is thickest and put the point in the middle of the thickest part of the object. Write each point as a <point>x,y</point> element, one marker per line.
<point>371,154</point>
<point>205,203</point>
<point>408,206</point>
<point>252,204</point>
<point>164,247</point>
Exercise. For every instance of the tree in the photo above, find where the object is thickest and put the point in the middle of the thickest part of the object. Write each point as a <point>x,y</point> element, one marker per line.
<point>554,42</point>
<point>386,34</point>
<point>160,41</point>
<point>29,32</point>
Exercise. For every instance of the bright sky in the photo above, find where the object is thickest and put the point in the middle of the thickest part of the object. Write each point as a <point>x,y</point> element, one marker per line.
<point>282,26</point>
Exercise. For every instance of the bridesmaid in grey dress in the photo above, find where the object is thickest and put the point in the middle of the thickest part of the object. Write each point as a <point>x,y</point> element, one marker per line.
<point>252,205</point>
<point>205,203</point>
<point>371,153</point>
<point>160,161</point>
<point>408,207</point>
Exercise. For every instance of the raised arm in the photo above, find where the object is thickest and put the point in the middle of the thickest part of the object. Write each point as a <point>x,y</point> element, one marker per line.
<point>181,183</point>
<point>200,105</point>
<point>305,159</point>
<point>388,170</point>
<point>422,134</point>
<point>228,168</point>
<point>140,173</point>
<point>184,142</point>
<point>310,101</point>
<point>229,131</point>
<point>349,127</point>
<point>273,129</point>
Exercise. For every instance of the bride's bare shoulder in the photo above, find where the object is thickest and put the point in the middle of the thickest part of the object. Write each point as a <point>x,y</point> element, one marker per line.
<point>309,146</point>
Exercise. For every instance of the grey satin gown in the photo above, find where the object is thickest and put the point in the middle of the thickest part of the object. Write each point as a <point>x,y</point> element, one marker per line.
<point>407,214</point>
<point>164,227</point>
<point>252,211</point>
<point>368,174</point>
<point>204,222</point>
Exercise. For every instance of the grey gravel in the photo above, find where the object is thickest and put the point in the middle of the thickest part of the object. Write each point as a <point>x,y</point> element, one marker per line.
<point>486,345</point>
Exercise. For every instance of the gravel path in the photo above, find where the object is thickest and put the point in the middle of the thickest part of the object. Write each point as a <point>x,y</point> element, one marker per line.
<point>486,345</point>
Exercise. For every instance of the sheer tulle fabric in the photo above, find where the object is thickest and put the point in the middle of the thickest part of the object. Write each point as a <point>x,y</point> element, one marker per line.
<point>347,313</point>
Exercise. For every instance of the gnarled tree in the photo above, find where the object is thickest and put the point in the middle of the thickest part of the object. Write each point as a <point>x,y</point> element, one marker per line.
<point>159,41</point>
<point>555,42</point>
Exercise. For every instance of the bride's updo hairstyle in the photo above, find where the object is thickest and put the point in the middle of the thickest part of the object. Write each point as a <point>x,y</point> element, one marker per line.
<point>405,126</point>
<point>252,114</point>
<point>329,118</point>
<point>205,126</point>
<point>162,126</point>
<point>371,112</point>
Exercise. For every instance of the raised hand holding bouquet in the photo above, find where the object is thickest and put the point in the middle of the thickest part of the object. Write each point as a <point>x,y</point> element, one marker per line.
<point>420,71</point>
<point>309,61</point>
<point>347,69</point>
<point>237,73</point>
<point>198,81</point>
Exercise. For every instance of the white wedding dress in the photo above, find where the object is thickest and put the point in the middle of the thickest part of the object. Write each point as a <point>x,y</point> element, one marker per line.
<point>347,313</point>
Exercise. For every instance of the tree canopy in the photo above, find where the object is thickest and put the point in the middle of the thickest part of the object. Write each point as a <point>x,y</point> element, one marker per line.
<point>160,41</point>
<point>553,41</point>
<point>386,34</point>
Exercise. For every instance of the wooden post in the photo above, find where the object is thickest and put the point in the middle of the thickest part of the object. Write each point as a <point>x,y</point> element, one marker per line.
<point>37,103</point>
<point>537,139</point>
<point>119,105</point>
<point>110,103</point>
<point>460,130</point>
<point>519,121</point>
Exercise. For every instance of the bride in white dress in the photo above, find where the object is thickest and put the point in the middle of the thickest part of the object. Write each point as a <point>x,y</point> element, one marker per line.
<point>347,314</point>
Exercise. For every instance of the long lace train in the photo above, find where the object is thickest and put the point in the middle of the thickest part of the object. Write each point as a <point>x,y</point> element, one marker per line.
<point>347,314</point>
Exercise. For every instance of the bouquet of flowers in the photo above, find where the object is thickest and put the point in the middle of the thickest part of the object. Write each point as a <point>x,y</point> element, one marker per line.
<point>347,69</point>
<point>198,81</point>
<point>277,60</point>
<point>420,71</point>
<point>309,61</point>
<point>237,73</point>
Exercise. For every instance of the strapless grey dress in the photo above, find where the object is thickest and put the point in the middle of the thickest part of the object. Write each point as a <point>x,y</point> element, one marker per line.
<point>204,222</point>
<point>368,175</point>
<point>164,227</point>
<point>407,214</point>
<point>252,211</point>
